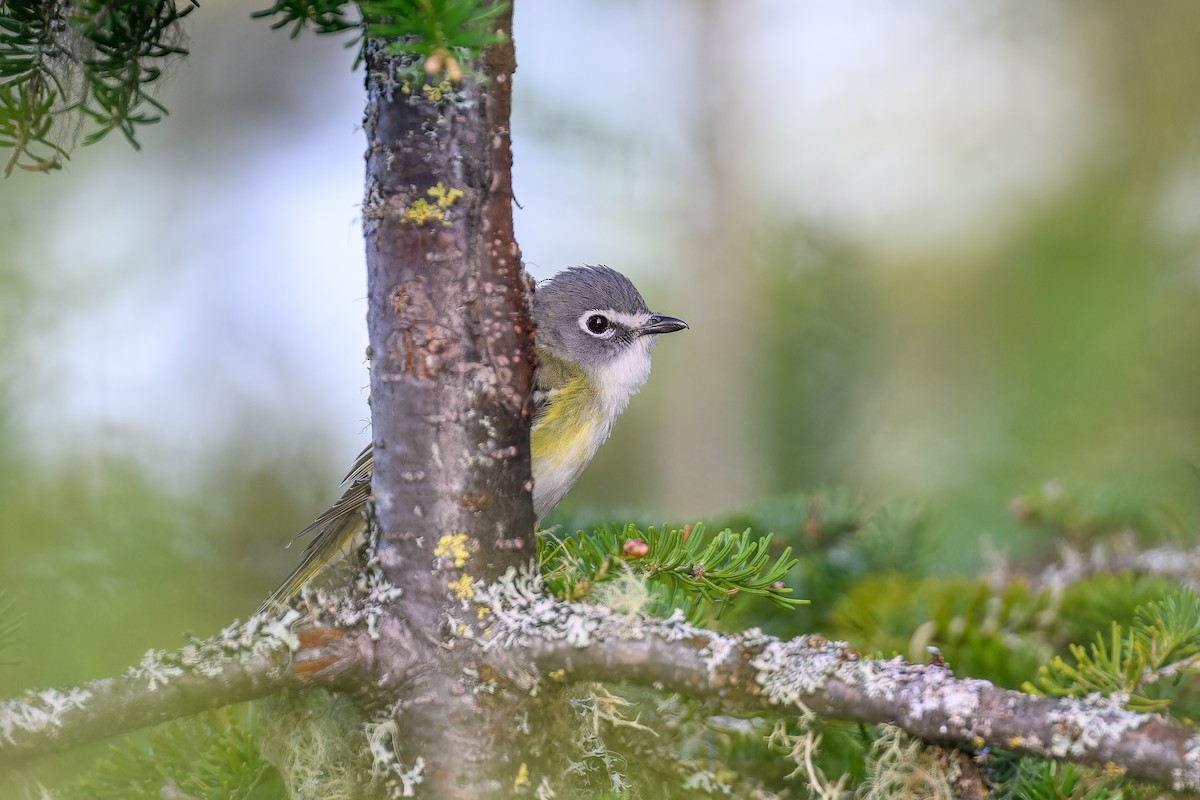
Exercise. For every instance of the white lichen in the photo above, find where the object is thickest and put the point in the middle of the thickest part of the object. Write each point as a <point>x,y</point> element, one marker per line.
<point>544,791</point>
<point>155,669</point>
<point>579,629</point>
<point>281,630</point>
<point>1187,778</point>
<point>790,671</point>
<point>38,711</point>
<point>1082,726</point>
<point>382,739</point>
<point>717,652</point>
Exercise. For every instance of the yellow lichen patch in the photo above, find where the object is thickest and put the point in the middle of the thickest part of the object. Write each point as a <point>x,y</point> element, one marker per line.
<point>453,545</point>
<point>443,196</point>
<point>434,94</point>
<point>482,612</point>
<point>522,776</point>
<point>557,675</point>
<point>421,211</point>
<point>1014,742</point>
<point>462,587</point>
<point>1112,770</point>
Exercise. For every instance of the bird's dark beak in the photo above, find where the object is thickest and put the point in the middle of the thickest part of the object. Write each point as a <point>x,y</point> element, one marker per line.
<point>660,323</point>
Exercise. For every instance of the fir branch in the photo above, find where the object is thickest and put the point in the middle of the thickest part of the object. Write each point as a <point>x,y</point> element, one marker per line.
<point>1162,642</point>
<point>433,27</point>
<point>245,661</point>
<point>1047,780</point>
<point>751,672</point>
<point>63,64</point>
<point>445,34</point>
<point>1113,557</point>
<point>748,672</point>
<point>688,568</point>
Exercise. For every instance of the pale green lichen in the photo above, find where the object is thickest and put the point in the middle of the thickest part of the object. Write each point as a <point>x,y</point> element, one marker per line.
<point>710,781</point>
<point>900,765</point>
<point>304,736</point>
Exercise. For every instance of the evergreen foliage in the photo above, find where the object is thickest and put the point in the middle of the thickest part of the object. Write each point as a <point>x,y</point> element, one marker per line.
<point>87,68</point>
<point>213,756</point>
<point>997,627</point>
<point>70,67</point>
<point>680,567</point>
<point>1047,780</point>
<point>1162,644</point>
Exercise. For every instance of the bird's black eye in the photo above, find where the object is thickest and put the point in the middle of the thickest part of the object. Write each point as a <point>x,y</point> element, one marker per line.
<point>597,324</point>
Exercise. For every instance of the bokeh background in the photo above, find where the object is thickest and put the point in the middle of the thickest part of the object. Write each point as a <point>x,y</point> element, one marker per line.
<point>937,252</point>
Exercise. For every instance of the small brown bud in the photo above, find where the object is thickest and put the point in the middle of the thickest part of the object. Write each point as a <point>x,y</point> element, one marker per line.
<point>779,586</point>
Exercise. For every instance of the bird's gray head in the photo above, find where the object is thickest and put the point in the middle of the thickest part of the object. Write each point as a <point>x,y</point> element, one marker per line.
<point>595,318</point>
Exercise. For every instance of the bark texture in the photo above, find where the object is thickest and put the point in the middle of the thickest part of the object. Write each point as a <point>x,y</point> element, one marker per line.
<point>452,361</point>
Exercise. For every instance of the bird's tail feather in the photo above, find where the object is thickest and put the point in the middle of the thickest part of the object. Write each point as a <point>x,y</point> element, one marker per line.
<point>338,531</point>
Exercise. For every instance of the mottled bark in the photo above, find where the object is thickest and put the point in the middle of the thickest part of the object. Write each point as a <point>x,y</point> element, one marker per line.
<point>451,345</point>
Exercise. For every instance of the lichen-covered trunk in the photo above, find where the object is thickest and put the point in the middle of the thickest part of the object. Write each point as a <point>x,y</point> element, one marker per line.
<point>451,373</point>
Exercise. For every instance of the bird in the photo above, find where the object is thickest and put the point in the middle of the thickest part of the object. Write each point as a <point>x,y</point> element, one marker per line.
<point>594,334</point>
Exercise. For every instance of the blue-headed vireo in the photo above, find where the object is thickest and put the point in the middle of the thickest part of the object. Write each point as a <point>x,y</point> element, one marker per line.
<point>594,335</point>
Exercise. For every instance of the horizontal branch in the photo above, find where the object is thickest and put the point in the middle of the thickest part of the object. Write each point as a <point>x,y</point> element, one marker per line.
<point>243,662</point>
<point>523,629</point>
<point>753,671</point>
<point>1182,566</point>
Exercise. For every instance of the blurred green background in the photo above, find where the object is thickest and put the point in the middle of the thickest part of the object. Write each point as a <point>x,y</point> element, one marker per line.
<point>943,253</point>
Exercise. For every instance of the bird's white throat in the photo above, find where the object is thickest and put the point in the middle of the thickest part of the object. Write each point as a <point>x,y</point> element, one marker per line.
<point>619,379</point>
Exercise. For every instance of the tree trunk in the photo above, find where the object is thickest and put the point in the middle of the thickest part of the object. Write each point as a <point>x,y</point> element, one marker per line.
<point>451,378</point>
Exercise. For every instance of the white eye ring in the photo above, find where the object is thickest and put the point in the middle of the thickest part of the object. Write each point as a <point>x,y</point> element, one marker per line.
<point>597,324</point>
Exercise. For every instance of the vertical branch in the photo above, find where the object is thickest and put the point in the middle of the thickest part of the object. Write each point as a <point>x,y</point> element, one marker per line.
<point>452,366</point>
<point>451,339</point>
